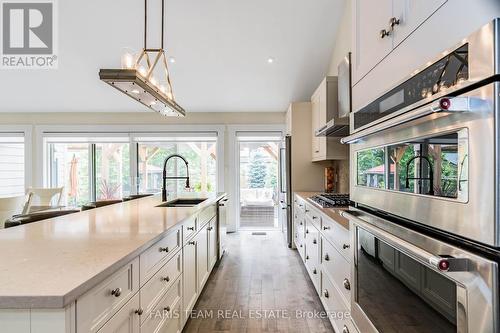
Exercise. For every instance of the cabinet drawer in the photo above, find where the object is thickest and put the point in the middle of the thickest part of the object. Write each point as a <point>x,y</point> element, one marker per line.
<point>165,311</point>
<point>190,227</point>
<point>125,320</point>
<point>313,216</point>
<point>157,255</point>
<point>332,301</point>
<point>338,236</point>
<point>100,303</point>
<point>154,289</point>
<point>206,215</point>
<point>339,269</point>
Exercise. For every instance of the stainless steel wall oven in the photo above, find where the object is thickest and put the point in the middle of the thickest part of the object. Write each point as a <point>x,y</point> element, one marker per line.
<point>428,150</point>
<point>425,182</point>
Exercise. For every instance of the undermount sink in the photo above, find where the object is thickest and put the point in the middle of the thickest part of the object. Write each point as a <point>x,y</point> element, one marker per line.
<point>186,202</point>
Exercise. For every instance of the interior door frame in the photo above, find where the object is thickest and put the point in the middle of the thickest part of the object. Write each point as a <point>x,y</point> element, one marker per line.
<point>233,188</point>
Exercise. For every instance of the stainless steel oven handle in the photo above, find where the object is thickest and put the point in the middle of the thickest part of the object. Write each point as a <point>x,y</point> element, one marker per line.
<point>446,104</point>
<point>435,262</point>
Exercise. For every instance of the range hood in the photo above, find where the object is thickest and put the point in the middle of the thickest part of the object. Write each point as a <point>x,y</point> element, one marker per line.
<point>338,124</point>
<point>335,127</point>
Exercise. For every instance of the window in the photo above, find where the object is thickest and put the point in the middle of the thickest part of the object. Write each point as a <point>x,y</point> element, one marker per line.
<point>97,167</point>
<point>12,164</point>
<point>112,170</point>
<point>88,168</point>
<point>69,167</point>
<point>201,156</point>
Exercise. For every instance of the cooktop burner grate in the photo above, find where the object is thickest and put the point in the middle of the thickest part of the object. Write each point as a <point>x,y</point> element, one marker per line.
<point>331,200</point>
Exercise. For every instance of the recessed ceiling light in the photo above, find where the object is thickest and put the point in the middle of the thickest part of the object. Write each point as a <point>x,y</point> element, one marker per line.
<point>270,60</point>
<point>171,60</point>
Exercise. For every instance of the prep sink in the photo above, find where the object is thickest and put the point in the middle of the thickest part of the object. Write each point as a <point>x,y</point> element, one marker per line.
<point>186,202</point>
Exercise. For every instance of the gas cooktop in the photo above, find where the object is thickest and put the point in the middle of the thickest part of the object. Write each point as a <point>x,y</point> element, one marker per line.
<point>331,200</point>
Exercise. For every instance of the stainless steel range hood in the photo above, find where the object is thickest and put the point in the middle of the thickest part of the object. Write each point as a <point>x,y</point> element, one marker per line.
<point>338,124</point>
<point>335,127</point>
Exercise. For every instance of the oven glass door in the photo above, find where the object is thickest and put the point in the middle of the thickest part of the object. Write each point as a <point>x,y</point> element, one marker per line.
<point>398,293</point>
<point>435,166</point>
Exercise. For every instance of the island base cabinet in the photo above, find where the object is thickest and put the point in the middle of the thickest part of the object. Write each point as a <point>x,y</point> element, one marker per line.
<point>166,314</point>
<point>212,241</point>
<point>126,320</point>
<point>202,256</point>
<point>190,287</point>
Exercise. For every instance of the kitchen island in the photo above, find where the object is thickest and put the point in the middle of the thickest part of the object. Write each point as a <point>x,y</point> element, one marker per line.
<point>108,268</point>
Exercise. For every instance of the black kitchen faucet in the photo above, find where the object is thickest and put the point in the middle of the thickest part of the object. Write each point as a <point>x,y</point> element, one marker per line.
<point>164,188</point>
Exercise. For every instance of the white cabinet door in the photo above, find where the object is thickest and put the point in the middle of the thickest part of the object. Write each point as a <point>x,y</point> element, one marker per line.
<point>212,243</point>
<point>411,14</point>
<point>202,257</point>
<point>370,17</point>
<point>124,321</point>
<point>190,276</point>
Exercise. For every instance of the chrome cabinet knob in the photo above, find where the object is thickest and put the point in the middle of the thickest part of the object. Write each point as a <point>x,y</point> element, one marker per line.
<point>345,329</point>
<point>139,311</point>
<point>394,21</point>
<point>166,279</point>
<point>190,228</point>
<point>327,257</point>
<point>347,284</point>
<point>384,33</point>
<point>163,249</point>
<point>116,292</point>
<point>325,293</point>
<point>346,246</point>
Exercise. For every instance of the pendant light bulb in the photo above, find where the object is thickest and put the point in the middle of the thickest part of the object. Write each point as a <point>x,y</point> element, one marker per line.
<point>128,61</point>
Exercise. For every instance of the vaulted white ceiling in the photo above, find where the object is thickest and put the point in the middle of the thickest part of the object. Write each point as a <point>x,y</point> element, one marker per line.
<point>221,49</point>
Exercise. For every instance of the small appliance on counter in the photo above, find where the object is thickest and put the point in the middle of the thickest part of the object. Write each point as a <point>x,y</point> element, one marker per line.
<point>331,200</point>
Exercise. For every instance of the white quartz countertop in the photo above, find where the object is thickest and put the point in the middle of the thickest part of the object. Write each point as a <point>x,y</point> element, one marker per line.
<point>48,264</point>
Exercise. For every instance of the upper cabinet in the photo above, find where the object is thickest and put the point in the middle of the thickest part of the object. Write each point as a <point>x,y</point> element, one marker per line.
<point>380,26</point>
<point>324,103</point>
<point>409,14</point>
<point>370,18</point>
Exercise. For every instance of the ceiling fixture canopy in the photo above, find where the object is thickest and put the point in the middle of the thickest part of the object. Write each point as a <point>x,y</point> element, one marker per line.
<point>137,77</point>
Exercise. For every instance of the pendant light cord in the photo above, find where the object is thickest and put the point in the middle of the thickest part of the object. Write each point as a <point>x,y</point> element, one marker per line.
<point>162,21</point>
<point>146,23</point>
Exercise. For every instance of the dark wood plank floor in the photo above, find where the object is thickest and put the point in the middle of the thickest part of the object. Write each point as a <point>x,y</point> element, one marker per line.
<point>259,286</point>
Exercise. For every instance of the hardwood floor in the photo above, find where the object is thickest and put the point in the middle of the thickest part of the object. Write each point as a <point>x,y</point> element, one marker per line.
<point>259,286</point>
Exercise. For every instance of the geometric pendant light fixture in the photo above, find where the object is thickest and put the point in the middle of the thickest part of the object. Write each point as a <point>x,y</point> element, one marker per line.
<point>145,77</point>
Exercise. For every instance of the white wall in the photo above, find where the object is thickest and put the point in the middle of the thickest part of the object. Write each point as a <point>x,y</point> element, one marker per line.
<point>343,43</point>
